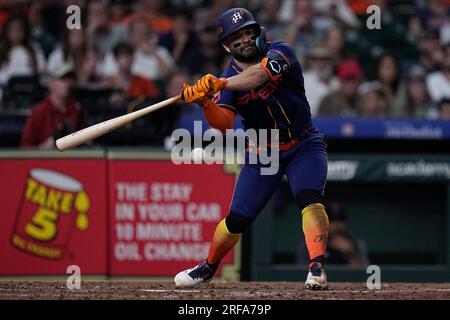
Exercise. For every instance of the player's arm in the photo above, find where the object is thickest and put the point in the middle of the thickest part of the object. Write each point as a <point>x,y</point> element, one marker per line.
<point>251,78</point>
<point>217,117</point>
<point>273,66</point>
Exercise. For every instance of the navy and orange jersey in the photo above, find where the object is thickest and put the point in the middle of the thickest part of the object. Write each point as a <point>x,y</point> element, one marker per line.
<point>280,103</point>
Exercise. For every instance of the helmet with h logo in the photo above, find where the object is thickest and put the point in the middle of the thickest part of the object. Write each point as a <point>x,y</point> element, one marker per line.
<point>234,20</point>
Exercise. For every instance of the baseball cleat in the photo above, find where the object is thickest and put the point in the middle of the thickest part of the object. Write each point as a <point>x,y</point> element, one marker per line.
<point>191,277</point>
<point>317,278</point>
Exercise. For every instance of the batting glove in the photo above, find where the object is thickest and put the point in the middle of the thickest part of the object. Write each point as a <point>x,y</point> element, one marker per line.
<point>190,94</point>
<point>210,84</point>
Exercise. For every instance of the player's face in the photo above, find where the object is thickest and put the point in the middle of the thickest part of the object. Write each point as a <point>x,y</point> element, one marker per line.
<point>242,44</point>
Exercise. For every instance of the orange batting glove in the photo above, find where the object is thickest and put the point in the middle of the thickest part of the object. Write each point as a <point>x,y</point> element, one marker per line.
<point>210,84</point>
<point>190,94</point>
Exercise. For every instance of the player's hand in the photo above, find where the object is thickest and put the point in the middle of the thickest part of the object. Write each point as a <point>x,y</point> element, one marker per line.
<point>190,94</point>
<point>210,84</point>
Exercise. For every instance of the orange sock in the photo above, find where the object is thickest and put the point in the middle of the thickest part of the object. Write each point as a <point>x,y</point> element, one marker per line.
<point>222,242</point>
<point>315,227</point>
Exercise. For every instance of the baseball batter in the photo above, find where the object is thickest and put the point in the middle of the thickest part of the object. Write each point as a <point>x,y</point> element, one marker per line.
<point>264,84</point>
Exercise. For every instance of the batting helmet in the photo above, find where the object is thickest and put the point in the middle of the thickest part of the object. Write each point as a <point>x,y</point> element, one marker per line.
<point>233,20</point>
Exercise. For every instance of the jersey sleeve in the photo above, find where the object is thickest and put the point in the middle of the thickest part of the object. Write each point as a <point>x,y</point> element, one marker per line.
<point>278,60</point>
<point>225,99</point>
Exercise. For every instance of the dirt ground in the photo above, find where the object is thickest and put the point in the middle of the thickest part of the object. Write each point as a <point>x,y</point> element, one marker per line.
<point>150,290</point>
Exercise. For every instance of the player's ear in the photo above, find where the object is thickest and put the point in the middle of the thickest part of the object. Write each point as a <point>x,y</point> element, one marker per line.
<point>227,49</point>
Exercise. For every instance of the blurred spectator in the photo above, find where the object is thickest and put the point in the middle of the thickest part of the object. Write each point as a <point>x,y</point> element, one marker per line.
<point>434,15</point>
<point>438,83</point>
<point>86,69</point>
<point>210,57</point>
<point>336,44</point>
<point>419,104</point>
<point>372,100</point>
<point>119,11</point>
<point>301,33</point>
<point>330,12</point>
<point>101,36</point>
<point>181,41</point>
<point>128,85</point>
<point>319,78</point>
<point>343,247</point>
<point>217,7</point>
<point>193,4</point>
<point>444,109</point>
<point>19,55</point>
<point>75,50</point>
<point>72,49</point>
<point>176,82</point>
<point>445,34</point>
<point>161,123</point>
<point>390,37</point>
<point>343,102</point>
<point>310,20</point>
<point>430,53</point>
<point>359,7</point>
<point>39,29</point>
<point>150,60</point>
<point>3,15</point>
<point>268,17</point>
<point>174,39</point>
<point>415,29</point>
<point>152,10</point>
<point>388,75</point>
<point>57,115</point>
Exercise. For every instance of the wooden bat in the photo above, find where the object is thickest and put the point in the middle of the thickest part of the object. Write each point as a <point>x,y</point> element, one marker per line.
<point>87,134</point>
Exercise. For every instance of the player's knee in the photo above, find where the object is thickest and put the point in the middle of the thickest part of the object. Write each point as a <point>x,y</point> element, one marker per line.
<point>306,197</point>
<point>237,223</point>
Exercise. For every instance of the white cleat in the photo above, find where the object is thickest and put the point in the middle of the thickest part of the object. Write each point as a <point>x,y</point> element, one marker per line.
<point>317,278</point>
<point>189,278</point>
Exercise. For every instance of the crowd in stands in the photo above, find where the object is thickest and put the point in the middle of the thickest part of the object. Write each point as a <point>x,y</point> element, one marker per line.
<point>128,53</point>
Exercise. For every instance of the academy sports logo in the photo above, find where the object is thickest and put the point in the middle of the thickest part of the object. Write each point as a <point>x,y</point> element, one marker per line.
<point>52,203</point>
<point>237,16</point>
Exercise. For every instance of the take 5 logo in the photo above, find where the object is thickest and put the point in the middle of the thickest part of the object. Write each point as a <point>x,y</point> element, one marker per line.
<point>52,204</point>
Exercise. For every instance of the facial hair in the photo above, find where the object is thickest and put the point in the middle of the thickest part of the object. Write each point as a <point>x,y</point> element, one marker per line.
<point>253,57</point>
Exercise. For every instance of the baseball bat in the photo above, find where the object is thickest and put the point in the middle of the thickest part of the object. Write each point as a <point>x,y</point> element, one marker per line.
<point>90,133</point>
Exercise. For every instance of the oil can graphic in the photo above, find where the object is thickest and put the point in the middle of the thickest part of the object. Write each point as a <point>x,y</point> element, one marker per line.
<point>52,205</point>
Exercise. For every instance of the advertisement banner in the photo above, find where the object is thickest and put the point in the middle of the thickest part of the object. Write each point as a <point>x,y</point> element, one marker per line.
<point>53,215</point>
<point>163,216</point>
<point>385,168</point>
<point>367,128</point>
